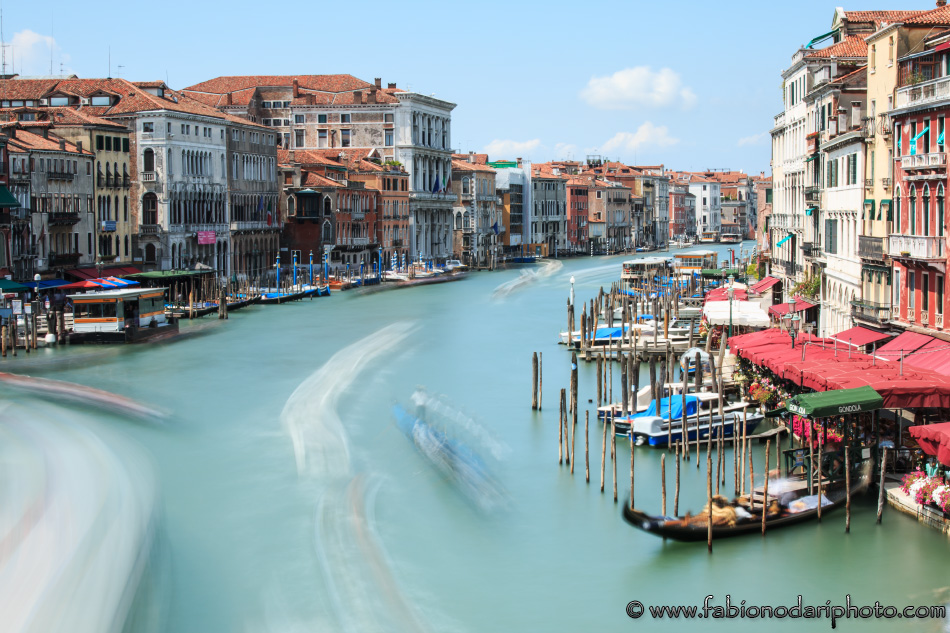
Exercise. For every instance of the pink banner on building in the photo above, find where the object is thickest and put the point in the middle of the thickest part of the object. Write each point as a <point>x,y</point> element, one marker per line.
<point>206,237</point>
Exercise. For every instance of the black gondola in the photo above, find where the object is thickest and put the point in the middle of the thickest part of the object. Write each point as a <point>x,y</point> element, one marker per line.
<point>679,529</point>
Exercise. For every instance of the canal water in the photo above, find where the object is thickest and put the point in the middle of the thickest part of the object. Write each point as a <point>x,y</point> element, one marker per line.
<point>279,495</point>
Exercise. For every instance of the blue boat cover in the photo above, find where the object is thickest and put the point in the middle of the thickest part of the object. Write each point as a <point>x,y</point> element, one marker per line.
<point>608,332</point>
<point>692,405</point>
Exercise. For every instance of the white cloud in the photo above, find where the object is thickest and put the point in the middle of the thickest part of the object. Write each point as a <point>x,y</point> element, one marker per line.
<point>565,151</point>
<point>506,148</point>
<point>636,87</point>
<point>647,135</point>
<point>31,54</point>
<point>755,139</point>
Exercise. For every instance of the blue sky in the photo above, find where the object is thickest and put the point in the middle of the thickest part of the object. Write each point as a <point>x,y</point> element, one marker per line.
<point>693,85</point>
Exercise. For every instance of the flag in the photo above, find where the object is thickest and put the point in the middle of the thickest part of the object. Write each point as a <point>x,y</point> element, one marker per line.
<point>494,227</point>
<point>260,205</point>
<point>42,233</point>
<point>437,187</point>
<point>270,217</point>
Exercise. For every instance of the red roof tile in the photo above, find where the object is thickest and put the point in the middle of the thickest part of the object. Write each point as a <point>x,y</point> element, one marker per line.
<point>935,17</point>
<point>851,46</point>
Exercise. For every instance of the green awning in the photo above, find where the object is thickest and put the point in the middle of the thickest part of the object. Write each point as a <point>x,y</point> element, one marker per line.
<point>823,36</point>
<point>716,272</point>
<point>810,210</point>
<point>11,286</point>
<point>840,402</point>
<point>811,158</point>
<point>7,201</point>
<point>774,413</point>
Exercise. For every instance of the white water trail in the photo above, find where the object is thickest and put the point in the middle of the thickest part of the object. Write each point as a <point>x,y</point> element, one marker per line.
<point>311,414</point>
<point>526,278</point>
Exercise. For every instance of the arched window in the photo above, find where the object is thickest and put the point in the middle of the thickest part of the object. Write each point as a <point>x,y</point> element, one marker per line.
<point>940,215</point>
<point>912,210</point>
<point>897,210</point>
<point>150,209</point>
<point>466,188</point>
<point>98,174</point>
<point>148,160</point>
<point>925,211</point>
<point>327,232</point>
<point>125,210</point>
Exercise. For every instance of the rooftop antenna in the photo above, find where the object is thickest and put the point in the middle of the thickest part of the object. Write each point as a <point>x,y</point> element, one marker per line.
<point>51,40</point>
<point>3,45</point>
<point>119,68</point>
<point>109,73</point>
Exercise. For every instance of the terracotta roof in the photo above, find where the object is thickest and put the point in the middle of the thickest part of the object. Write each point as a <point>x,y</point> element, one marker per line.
<point>74,117</point>
<point>481,159</point>
<point>25,141</point>
<point>306,157</point>
<point>851,46</point>
<point>320,83</point>
<point>463,166</point>
<point>876,17</point>
<point>935,17</point>
<point>316,180</point>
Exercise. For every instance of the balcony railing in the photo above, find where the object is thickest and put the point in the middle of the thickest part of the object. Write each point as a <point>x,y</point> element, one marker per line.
<point>811,249</point>
<point>870,247</point>
<point>63,259</point>
<point>884,124</point>
<point>812,193</point>
<point>870,311</point>
<point>150,229</point>
<point>867,127</point>
<point>61,218</point>
<point>58,175</point>
<point>397,243</point>
<point>886,183</point>
<point>915,247</point>
<point>925,92</point>
<point>868,182</point>
<point>148,176</point>
<point>933,160</point>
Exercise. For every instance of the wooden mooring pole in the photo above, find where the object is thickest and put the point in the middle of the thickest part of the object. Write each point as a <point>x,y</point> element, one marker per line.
<point>765,490</point>
<point>676,492</point>
<point>880,492</point>
<point>534,381</point>
<point>662,481</point>
<point>587,445</point>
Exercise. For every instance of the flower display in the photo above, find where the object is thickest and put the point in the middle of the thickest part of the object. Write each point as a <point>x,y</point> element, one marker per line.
<point>910,479</point>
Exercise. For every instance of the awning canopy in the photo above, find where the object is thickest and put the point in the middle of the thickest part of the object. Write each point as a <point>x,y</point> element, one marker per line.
<point>722,294</point>
<point>765,284</point>
<point>106,282</point>
<point>745,313</point>
<point>934,356</point>
<point>95,273</point>
<point>783,308</point>
<point>860,336</point>
<point>46,284</point>
<point>934,439</point>
<point>841,402</point>
<point>7,201</point>
<point>11,286</point>
<point>165,274</point>
<point>902,346</point>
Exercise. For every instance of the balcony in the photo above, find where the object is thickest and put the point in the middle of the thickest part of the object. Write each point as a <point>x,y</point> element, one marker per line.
<point>869,311</point>
<point>811,249</point>
<point>812,193</point>
<point>884,124</point>
<point>923,247</point>
<point>923,93</point>
<point>933,160</point>
<point>886,183</point>
<point>260,225</point>
<point>150,229</point>
<point>397,243</point>
<point>869,182</point>
<point>58,175</point>
<point>63,259</point>
<point>867,127</point>
<point>61,218</point>
<point>871,247</point>
<point>148,176</point>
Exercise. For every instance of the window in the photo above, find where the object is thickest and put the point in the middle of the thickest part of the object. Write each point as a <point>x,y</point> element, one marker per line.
<point>321,118</point>
<point>344,118</point>
<point>54,102</point>
<point>148,127</point>
<point>925,210</point>
<point>100,142</point>
<point>925,294</point>
<point>298,118</point>
<point>897,287</point>
<point>389,138</point>
<point>940,213</point>
<point>322,138</point>
<point>149,161</point>
<point>344,138</point>
<point>911,289</point>
<point>897,210</point>
<point>912,210</point>
<point>388,118</point>
<point>938,291</point>
<point>125,145</point>
<point>298,138</point>
<point>890,51</point>
<point>897,132</point>
<point>108,143</point>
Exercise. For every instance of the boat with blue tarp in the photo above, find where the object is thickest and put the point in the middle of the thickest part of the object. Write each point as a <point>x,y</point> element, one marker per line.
<point>656,429</point>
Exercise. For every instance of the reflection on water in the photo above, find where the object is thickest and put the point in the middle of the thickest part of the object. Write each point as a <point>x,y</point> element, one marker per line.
<point>77,521</point>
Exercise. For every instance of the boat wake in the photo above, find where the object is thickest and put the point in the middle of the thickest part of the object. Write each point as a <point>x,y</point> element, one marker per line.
<point>526,278</point>
<point>311,414</point>
<point>77,522</point>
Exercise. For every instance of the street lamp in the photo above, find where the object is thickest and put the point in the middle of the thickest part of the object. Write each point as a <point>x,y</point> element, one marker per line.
<point>732,291</point>
<point>792,321</point>
<point>572,290</point>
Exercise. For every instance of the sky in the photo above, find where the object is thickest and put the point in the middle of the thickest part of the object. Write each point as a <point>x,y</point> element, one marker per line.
<point>691,85</point>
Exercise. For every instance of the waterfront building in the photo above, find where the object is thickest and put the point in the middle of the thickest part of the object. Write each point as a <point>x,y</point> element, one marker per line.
<point>836,122</point>
<point>475,212</point>
<point>578,214</point>
<point>708,194</point>
<point>762,185</point>
<point>618,212</point>
<point>61,221</point>
<point>341,111</point>
<point>682,211</point>
<point>17,224</point>
<point>510,186</point>
<point>917,243</point>
<point>548,204</point>
<point>391,182</point>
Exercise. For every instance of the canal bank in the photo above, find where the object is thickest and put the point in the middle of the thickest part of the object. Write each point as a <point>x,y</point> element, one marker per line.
<point>258,542</point>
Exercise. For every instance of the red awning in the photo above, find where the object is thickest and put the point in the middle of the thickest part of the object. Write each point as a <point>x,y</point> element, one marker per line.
<point>860,336</point>
<point>934,439</point>
<point>764,284</point>
<point>722,294</point>
<point>93,273</point>
<point>934,356</point>
<point>800,306</point>
<point>902,346</point>
<point>941,47</point>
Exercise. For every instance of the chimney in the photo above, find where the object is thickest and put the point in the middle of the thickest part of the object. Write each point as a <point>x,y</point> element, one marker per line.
<point>519,161</point>
<point>79,146</point>
<point>291,156</point>
<point>62,145</point>
<point>941,3</point>
<point>296,88</point>
<point>392,86</point>
<point>371,97</point>
<point>357,96</point>
<point>229,99</point>
<point>471,157</point>
<point>379,82</point>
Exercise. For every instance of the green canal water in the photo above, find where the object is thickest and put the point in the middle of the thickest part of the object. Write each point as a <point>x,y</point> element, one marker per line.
<point>284,497</point>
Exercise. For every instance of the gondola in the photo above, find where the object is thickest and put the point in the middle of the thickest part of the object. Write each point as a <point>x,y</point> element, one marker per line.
<point>679,529</point>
